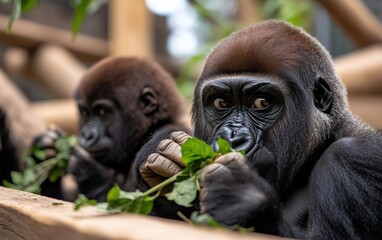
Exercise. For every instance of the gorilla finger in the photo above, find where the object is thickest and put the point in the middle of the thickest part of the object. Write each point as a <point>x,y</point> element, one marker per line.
<point>44,141</point>
<point>162,165</point>
<point>234,161</point>
<point>150,177</point>
<point>215,172</point>
<point>50,153</point>
<point>180,137</point>
<point>171,150</point>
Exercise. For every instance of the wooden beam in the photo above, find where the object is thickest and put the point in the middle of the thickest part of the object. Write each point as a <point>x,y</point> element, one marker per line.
<point>30,35</point>
<point>62,113</point>
<point>23,123</point>
<point>57,70</point>
<point>361,71</point>
<point>357,21</point>
<point>29,216</point>
<point>130,28</point>
<point>368,108</point>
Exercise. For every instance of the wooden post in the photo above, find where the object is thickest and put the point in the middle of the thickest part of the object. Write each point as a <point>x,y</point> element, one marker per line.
<point>29,216</point>
<point>361,71</point>
<point>357,21</point>
<point>24,124</point>
<point>130,28</point>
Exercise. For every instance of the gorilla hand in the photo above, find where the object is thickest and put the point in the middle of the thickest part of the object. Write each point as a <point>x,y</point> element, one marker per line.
<point>46,142</point>
<point>93,179</point>
<point>166,162</point>
<point>233,193</point>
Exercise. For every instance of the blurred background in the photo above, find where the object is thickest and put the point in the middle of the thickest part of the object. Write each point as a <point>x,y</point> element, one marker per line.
<point>41,62</point>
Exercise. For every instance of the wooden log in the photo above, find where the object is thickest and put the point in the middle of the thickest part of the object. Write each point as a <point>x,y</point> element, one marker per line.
<point>52,67</point>
<point>29,216</point>
<point>24,124</point>
<point>62,113</point>
<point>130,28</point>
<point>361,71</point>
<point>57,70</point>
<point>30,35</point>
<point>356,20</point>
<point>368,108</point>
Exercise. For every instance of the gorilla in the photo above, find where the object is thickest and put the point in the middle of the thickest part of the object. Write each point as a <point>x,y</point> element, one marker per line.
<point>312,169</point>
<point>122,101</point>
<point>8,156</point>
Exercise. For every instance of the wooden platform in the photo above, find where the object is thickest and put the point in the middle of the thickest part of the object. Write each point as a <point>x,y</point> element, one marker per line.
<point>29,216</point>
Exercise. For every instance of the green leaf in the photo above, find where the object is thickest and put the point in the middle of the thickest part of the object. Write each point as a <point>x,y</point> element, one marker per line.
<point>224,146</point>
<point>29,176</point>
<point>195,153</point>
<point>113,194</point>
<point>82,200</point>
<point>56,173</point>
<point>33,188</point>
<point>204,220</point>
<point>40,154</point>
<point>184,193</point>
<point>80,13</point>
<point>10,185</point>
<point>27,5</point>
<point>207,220</point>
<point>17,178</point>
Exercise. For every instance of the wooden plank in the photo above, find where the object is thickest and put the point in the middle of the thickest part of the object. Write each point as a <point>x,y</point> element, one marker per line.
<point>357,21</point>
<point>33,217</point>
<point>368,108</point>
<point>130,28</point>
<point>30,35</point>
<point>361,71</point>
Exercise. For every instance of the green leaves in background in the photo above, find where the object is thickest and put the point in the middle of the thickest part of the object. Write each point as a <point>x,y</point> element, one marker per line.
<point>81,9</point>
<point>80,12</point>
<point>36,173</point>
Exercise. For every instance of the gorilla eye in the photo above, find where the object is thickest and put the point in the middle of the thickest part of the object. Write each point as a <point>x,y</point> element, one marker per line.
<point>84,113</point>
<point>261,103</point>
<point>220,103</point>
<point>102,112</point>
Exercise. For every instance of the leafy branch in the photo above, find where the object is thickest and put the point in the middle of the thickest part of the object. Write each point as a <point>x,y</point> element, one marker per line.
<point>36,173</point>
<point>196,154</point>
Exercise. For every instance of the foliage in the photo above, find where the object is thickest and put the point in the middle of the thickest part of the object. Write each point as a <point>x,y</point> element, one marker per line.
<point>81,9</point>
<point>196,154</point>
<point>297,12</point>
<point>36,173</point>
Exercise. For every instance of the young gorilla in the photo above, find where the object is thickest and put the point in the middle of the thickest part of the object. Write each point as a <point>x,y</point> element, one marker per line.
<point>122,101</point>
<point>312,169</point>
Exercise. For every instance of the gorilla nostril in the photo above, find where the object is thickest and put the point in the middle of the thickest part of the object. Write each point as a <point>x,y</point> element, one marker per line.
<point>89,137</point>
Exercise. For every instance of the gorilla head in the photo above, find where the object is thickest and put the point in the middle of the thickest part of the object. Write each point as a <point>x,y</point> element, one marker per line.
<point>122,101</point>
<point>270,90</point>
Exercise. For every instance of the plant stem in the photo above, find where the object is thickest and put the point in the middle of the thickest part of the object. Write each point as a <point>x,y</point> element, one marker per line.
<point>162,184</point>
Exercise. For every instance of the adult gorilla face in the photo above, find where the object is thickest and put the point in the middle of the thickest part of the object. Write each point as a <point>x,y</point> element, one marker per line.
<point>241,108</point>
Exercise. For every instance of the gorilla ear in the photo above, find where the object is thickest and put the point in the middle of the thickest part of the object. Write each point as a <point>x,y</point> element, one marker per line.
<point>149,102</point>
<point>322,95</point>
